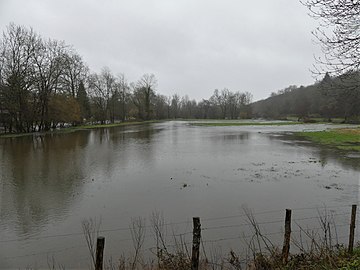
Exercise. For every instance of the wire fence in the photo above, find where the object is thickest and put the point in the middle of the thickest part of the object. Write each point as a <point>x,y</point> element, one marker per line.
<point>257,214</point>
<point>333,222</point>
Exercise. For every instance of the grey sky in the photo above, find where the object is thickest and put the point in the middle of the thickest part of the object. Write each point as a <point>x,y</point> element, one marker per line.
<point>192,46</point>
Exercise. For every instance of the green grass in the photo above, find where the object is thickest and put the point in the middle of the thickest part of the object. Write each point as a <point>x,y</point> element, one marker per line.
<point>344,139</point>
<point>350,261</point>
<point>225,124</point>
<point>77,128</point>
<point>14,135</point>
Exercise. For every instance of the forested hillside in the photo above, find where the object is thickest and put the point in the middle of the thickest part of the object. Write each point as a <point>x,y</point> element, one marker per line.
<point>330,98</point>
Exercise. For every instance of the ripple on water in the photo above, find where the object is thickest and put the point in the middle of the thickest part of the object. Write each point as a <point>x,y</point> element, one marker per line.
<point>353,155</point>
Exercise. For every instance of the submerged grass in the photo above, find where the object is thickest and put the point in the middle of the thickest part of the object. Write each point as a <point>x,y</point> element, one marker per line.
<point>343,139</point>
<point>77,128</point>
<point>114,125</point>
<point>318,120</point>
<point>225,124</point>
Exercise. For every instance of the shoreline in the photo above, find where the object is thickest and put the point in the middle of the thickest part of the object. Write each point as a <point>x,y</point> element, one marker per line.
<point>347,139</point>
<point>77,128</point>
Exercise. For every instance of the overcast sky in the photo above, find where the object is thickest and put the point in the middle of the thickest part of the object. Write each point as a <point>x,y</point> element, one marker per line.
<point>192,46</point>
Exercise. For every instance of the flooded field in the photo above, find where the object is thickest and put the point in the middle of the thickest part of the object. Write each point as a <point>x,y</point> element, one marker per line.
<point>50,184</point>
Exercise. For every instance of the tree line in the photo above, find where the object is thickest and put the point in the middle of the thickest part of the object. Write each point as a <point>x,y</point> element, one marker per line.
<point>332,97</point>
<point>45,84</point>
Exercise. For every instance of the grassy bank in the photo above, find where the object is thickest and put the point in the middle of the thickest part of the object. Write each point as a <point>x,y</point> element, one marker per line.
<point>225,124</point>
<point>114,125</point>
<point>344,139</point>
<point>323,258</point>
<point>318,120</point>
<point>77,128</point>
<point>337,258</point>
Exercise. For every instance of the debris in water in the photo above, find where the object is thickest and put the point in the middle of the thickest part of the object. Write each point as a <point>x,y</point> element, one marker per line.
<point>258,164</point>
<point>333,186</point>
<point>184,185</point>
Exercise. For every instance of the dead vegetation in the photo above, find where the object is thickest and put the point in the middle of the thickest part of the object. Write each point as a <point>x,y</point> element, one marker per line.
<point>314,249</point>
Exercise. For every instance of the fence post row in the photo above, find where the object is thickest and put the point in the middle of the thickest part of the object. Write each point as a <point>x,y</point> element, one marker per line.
<point>352,229</point>
<point>100,244</point>
<point>196,243</point>
<point>286,246</point>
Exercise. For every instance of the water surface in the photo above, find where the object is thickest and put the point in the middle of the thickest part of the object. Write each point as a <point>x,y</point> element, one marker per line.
<point>50,183</point>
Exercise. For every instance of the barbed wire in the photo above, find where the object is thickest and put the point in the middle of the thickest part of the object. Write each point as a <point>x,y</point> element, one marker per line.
<point>262,234</point>
<point>265,222</point>
<point>177,245</point>
<point>278,210</point>
<point>259,234</point>
<point>203,219</point>
<point>82,233</point>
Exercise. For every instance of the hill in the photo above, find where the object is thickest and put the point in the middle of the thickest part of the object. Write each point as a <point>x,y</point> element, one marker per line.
<point>337,97</point>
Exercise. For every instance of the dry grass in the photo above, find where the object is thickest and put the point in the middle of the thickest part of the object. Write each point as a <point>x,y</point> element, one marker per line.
<point>316,250</point>
<point>353,131</point>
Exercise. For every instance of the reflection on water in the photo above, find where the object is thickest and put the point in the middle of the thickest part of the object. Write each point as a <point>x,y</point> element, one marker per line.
<point>50,183</point>
<point>242,137</point>
<point>346,162</point>
<point>42,176</point>
<point>325,154</point>
<point>39,177</point>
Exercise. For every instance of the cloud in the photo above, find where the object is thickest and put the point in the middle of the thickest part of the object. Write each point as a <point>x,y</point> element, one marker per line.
<point>192,47</point>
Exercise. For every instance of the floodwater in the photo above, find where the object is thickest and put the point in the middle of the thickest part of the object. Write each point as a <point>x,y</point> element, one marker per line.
<point>49,184</point>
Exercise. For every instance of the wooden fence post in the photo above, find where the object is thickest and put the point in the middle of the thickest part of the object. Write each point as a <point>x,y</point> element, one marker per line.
<point>196,243</point>
<point>100,244</point>
<point>286,246</point>
<point>352,229</point>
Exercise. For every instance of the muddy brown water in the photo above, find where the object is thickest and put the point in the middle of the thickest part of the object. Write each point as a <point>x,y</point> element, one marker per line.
<point>50,184</point>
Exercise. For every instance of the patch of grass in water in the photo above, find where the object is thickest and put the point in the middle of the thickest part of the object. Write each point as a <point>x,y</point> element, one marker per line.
<point>224,124</point>
<point>343,139</point>
<point>114,125</point>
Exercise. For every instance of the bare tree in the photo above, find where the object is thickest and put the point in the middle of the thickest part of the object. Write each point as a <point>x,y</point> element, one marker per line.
<point>17,48</point>
<point>175,105</point>
<point>160,107</point>
<point>338,34</point>
<point>74,72</point>
<point>220,99</point>
<point>49,63</point>
<point>145,87</point>
<point>168,106</point>
<point>103,90</point>
<point>204,108</point>
<point>32,72</point>
<point>124,95</point>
